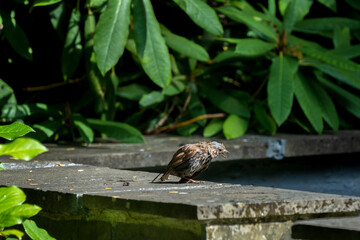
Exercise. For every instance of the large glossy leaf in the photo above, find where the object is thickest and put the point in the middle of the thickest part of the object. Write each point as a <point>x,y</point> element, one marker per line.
<point>15,35</point>
<point>17,214</point>
<point>151,98</point>
<point>235,126</point>
<point>348,100</point>
<point>280,87</point>
<point>14,130</point>
<point>202,14</point>
<point>341,37</point>
<point>351,78</point>
<point>262,28</point>
<point>132,91</point>
<point>10,197</point>
<point>329,3</point>
<point>35,232</point>
<point>253,47</point>
<point>225,102</point>
<point>22,148</point>
<point>111,34</point>
<point>120,131</point>
<point>326,104</point>
<point>184,46</point>
<point>150,45</point>
<point>306,96</point>
<point>72,51</point>
<point>214,126</point>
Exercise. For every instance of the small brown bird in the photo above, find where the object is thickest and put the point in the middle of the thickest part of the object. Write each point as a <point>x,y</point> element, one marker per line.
<point>192,159</point>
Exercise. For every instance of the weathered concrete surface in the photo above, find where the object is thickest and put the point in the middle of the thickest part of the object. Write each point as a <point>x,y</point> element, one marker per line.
<point>93,202</point>
<point>327,229</point>
<point>158,150</point>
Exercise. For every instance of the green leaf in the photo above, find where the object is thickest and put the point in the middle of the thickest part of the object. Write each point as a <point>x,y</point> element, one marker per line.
<point>45,130</point>
<point>302,7</point>
<point>272,7</point>
<point>307,99</point>
<point>214,126</point>
<point>235,127</point>
<point>176,86</point>
<point>225,102</point>
<point>151,98</point>
<point>325,26</point>
<point>264,119</point>
<point>117,130</point>
<point>326,104</point>
<point>280,87</point>
<point>150,45</point>
<point>111,34</point>
<point>23,148</point>
<point>132,91</point>
<point>348,100</point>
<point>202,15</point>
<point>341,37</point>
<point>14,130</point>
<point>347,52</point>
<point>7,95</point>
<point>15,35</point>
<point>187,130</point>
<point>84,129</point>
<point>38,3</point>
<point>72,51</point>
<point>354,3</point>
<point>184,46</point>
<point>259,26</point>
<point>11,232</point>
<point>2,166</point>
<point>253,47</point>
<point>12,112</point>
<point>35,232</point>
<point>18,214</point>
<point>10,197</point>
<point>329,3</point>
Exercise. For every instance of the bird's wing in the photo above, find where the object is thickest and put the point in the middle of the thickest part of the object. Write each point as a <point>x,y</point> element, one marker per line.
<point>183,154</point>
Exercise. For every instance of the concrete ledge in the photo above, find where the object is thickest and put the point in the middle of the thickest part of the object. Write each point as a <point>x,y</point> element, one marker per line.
<point>327,229</point>
<point>158,150</point>
<point>102,203</point>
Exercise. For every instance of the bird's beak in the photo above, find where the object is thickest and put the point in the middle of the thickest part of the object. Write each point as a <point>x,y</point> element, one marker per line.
<point>223,154</point>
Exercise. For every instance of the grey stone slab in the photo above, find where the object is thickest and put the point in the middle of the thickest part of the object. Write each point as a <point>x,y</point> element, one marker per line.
<point>158,150</point>
<point>207,202</point>
<point>327,228</point>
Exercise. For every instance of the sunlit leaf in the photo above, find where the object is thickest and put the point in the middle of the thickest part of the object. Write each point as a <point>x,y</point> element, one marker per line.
<point>18,214</point>
<point>10,197</point>
<point>22,148</point>
<point>235,126</point>
<point>202,14</point>
<point>121,131</point>
<point>132,91</point>
<point>214,127</point>
<point>14,130</point>
<point>35,232</point>
<point>111,34</point>
<point>151,98</point>
<point>11,232</point>
<point>280,87</point>
<point>150,45</point>
<point>38,3</point>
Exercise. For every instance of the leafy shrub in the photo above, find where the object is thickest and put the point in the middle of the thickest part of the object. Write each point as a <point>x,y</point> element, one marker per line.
<point>292,63</point>
<point>13,210</point>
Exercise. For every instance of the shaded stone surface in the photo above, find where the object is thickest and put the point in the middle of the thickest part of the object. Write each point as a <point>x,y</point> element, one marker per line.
<point>125,203</point>
<point>158,150</point>
<point>328,228</point>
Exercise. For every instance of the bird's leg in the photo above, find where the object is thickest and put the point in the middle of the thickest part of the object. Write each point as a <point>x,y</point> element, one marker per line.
<point>189,180</point>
